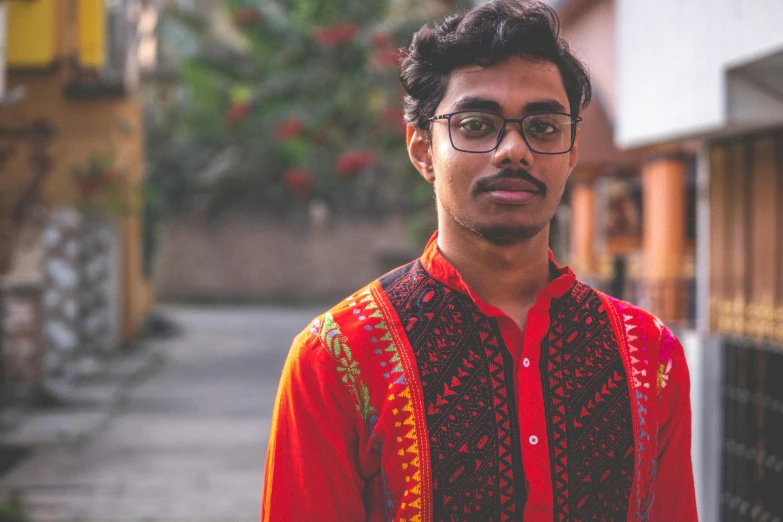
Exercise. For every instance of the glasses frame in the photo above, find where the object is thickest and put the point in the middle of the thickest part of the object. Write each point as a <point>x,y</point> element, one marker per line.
<point>502,133</point>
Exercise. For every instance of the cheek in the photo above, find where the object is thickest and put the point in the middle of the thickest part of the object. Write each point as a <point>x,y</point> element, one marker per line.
<point>557,174</point>
<point>455,171</point>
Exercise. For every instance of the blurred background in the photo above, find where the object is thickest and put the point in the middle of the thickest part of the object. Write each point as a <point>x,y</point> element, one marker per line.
<point>185,183</point>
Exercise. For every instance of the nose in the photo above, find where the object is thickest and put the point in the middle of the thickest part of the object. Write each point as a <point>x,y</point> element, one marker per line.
<point>512,149</point>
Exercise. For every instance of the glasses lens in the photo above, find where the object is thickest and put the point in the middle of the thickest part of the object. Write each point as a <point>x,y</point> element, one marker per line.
<point>475,131</point>
<point>548,133</point>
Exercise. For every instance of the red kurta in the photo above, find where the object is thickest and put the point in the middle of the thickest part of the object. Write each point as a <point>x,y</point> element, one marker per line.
<point>415,400</point>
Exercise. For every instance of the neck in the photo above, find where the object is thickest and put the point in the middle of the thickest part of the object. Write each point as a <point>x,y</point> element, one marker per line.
<point>507,276</point>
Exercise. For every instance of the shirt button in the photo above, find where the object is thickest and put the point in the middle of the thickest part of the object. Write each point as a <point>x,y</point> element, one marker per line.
<point>533,440</point>
<point>525,362</point>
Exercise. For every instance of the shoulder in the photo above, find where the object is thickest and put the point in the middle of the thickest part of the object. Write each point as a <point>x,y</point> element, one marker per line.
<point>637,323</point>
<point>338,337</point>
<point>647,334</point>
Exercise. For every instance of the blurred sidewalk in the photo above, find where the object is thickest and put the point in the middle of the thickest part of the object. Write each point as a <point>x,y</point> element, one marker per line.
<point>186,443</point>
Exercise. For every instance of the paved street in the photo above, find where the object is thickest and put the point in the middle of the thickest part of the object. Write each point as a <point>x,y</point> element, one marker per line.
<point>189,442</point>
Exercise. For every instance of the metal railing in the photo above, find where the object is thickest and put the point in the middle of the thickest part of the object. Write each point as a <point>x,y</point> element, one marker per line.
<point>752,467</point>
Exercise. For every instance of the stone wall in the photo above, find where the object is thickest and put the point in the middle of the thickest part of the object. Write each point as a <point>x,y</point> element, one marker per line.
<point>60,302</point>
<point>242,258</point>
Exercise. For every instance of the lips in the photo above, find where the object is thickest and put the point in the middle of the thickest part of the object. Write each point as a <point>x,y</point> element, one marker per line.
<point>511,185</point>
<point>511,191</point>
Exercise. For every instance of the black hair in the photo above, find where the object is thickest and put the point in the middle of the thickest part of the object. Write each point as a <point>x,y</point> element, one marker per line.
<point>485,36</point>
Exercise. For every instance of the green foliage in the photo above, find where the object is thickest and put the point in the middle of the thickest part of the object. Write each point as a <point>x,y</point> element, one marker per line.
<point>12,510</point>
<point>273,115</point>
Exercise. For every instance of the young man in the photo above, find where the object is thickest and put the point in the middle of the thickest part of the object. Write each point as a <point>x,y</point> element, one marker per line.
<point>483,381</point>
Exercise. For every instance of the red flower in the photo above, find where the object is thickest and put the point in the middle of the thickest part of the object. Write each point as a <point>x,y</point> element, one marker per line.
<point>237,112</point>
<point>246,16</point>
<point>299,181</point>
<point>386,58</point>
<point>352,162</point>
<point>335,34</point>
<point>290,129</point>
<point>381,39</point>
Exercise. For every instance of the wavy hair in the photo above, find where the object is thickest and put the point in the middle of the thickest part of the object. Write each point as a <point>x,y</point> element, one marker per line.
<point>485,36</point>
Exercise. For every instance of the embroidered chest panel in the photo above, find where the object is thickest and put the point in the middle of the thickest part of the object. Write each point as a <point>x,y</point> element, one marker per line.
<point>467,380</point>
<point>588,409</point>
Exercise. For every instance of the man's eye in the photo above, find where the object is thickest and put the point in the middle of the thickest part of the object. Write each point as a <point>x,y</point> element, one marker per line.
<point>475,125</point>
<point>542,127</point>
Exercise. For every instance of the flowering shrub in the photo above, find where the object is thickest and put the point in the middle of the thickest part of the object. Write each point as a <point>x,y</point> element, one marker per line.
<point>352,162</point>
<point>290,129</point>
<point>335,34</point>
<point>309,109</point>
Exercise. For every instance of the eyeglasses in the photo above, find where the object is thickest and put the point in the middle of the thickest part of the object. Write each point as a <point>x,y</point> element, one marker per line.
<point>478,132</point>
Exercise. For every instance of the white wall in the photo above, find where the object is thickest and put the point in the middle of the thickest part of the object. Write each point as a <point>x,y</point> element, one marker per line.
<point>672,59</point>
<point>704,356</point>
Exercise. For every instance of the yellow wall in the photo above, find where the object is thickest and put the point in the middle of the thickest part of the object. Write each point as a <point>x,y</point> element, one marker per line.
<point>92,33</point>
<point>32,34</point>
<point>42,31</point>
<point>83,128</point>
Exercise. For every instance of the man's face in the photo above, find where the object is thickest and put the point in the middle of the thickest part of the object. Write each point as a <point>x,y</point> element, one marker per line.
<point>511,193</point>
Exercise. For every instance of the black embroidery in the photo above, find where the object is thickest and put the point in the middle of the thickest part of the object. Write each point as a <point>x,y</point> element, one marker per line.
<point>587,402</point>
<point>467,379</point>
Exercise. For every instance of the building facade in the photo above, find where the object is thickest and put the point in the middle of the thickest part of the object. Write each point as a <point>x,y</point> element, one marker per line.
<point>72,136</point>
<point>694,91</point>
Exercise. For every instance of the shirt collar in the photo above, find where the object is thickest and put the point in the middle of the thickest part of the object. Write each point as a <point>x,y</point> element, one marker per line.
<point>437,266</point>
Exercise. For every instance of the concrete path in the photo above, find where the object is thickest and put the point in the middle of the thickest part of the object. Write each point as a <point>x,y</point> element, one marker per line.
<point>187,443</point>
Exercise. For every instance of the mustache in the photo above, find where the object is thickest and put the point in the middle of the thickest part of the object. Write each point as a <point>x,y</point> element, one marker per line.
<point>483,183</point>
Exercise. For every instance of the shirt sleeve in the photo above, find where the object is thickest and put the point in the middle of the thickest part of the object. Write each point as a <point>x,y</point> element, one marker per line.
<point>312,464</point>
<point>675,497</point>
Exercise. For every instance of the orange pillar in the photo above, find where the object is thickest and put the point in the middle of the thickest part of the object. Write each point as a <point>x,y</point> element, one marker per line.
<point>663,182</point>
<point>582,227</point>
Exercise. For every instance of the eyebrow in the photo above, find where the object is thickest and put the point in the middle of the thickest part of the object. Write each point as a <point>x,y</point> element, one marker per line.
<point>544,105</point>
<point>476,102</point>
<point>536,106</point>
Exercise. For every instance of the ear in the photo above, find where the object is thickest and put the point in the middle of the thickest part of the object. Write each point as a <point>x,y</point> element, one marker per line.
<point>420,152</point>
<point>574,154</point>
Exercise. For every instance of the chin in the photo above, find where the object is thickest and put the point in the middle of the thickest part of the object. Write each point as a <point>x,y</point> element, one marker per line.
<point>505,233</point>
<point>501,229</point>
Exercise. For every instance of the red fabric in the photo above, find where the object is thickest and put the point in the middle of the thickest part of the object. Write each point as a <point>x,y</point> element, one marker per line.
<point>311,469</point>
<point>674,491</point>
<point>350,436</point>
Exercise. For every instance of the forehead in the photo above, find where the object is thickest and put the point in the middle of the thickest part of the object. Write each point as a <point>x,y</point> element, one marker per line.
<point>512,83</point>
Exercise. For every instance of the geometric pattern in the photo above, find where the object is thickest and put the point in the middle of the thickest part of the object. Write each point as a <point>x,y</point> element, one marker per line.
<point>588,407</point>
<point>361,316</point>
<point>466,375</point>
<point>642,342</point>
